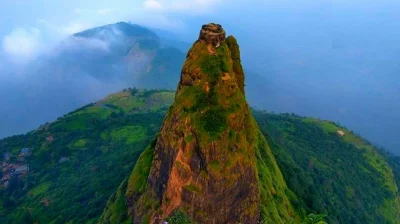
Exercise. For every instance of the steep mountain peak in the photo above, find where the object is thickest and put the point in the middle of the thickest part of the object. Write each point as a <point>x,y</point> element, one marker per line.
<point>209,160</point>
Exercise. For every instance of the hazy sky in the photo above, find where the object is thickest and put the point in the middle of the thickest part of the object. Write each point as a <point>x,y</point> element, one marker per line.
<point>27,27</point>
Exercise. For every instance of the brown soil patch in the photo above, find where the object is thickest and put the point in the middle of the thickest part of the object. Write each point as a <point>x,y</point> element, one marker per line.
<point>175,184</point>
<point>226,76</point>
<point>207,87</point>
<point>211,50</point>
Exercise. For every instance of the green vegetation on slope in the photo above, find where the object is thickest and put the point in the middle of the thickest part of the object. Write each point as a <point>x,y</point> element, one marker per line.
<point>274,207</point>
<point>179,217</point>
<point>136,185</point>
<point>116,211</point>
<point>138,179</point>
<point>325,173</point>
<point>91,150</point>
<point>342,176</point>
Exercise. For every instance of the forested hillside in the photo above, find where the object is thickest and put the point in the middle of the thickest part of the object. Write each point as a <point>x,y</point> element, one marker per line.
<point>332,170</point>
<point>77,162</point>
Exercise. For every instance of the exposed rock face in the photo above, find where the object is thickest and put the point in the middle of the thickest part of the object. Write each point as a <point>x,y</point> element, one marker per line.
<point>204,162</point>
<point>212,34</point>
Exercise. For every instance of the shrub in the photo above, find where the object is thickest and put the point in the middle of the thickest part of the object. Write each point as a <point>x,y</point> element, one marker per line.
<point>214,120</point>
<point>178,217</point>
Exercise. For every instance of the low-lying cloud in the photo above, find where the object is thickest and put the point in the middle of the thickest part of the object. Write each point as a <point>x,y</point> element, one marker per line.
<point>76,43</point>
<point>73,27</point>
<point>22,44</point>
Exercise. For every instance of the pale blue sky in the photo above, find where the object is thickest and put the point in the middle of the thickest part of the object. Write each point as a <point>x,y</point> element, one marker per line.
<point>27,27</point>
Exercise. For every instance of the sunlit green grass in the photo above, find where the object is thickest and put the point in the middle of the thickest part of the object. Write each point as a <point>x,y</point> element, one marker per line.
<point>129,134</point>
<point>40,189</point>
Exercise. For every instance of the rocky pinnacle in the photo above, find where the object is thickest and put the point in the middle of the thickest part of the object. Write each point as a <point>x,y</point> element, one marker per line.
<point>210,162</point>
<point>212,34</point>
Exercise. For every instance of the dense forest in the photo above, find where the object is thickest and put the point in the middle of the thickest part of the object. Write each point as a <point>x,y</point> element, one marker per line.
<point>65,171</point>
<point>344,177</point>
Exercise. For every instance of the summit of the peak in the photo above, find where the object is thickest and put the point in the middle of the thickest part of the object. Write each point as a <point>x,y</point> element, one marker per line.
<point>212,34</point>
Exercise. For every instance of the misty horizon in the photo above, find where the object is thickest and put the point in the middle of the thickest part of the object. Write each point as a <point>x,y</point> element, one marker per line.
<point>332,61</point>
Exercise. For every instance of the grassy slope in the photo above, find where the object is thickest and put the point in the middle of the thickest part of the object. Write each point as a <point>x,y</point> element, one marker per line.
<point>102,142</point>
<point>116,211</point>
<point>345,177</point>
<point>136,185</point>
<point>374,159</point>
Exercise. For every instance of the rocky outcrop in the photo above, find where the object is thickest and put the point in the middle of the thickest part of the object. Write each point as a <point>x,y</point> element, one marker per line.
<point>206,159</point>
<point>212,34</point>
<point>204,163</point>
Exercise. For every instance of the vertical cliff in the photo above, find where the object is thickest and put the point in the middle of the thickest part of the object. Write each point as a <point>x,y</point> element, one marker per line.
<point>209,162</point>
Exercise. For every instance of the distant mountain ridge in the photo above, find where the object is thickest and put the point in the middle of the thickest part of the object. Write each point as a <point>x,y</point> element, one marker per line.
<point>122,51</point>
<point>84,68</point>
<point>126,29</point>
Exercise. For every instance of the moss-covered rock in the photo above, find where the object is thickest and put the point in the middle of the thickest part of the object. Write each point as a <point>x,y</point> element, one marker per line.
<point>116,208</point>
<point>209,159</point>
